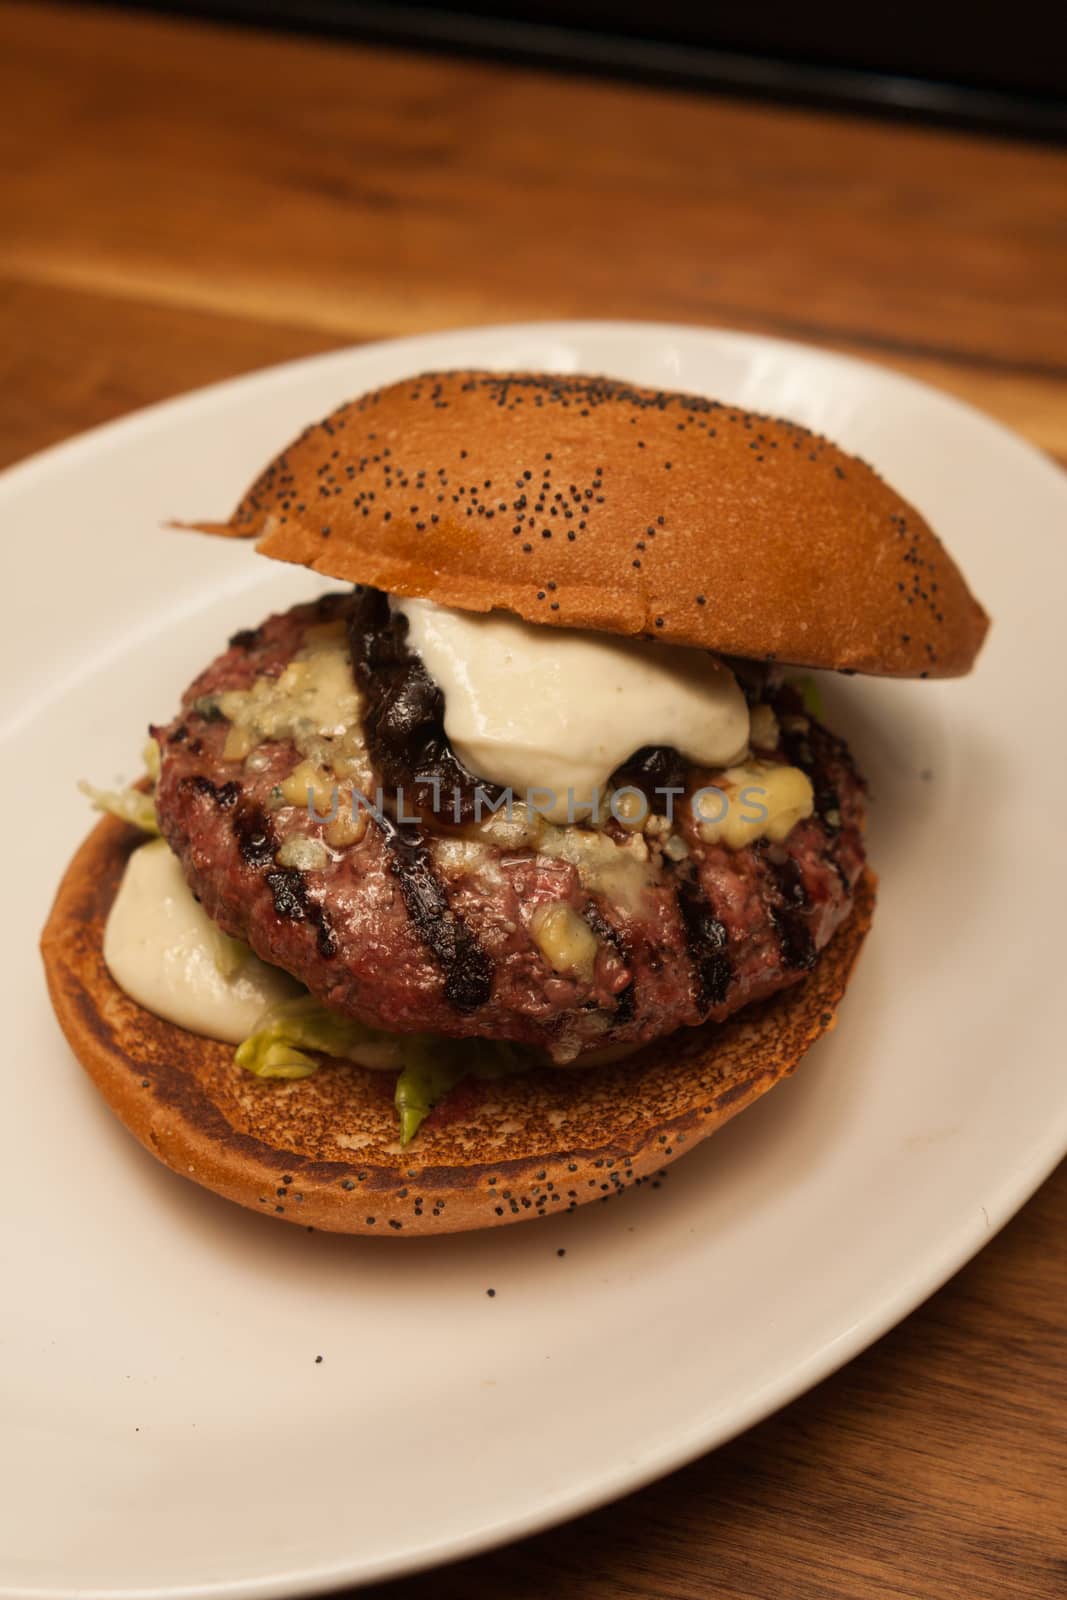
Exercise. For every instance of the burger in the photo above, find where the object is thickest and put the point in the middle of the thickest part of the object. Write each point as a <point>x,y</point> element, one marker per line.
<point>502,874</point>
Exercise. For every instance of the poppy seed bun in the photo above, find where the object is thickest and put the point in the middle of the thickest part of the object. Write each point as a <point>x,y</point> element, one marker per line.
<point>323,1152</point>
<point>586,502</point>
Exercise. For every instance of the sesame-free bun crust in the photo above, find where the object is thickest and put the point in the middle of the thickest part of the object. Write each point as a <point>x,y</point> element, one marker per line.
<point>586,502</point>
<point>323,1151</point>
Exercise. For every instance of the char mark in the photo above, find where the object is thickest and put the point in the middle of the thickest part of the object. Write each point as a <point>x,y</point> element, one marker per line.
<point>790,917</point>
<point>224,794</point>
<point>656,771</point>
<point>255,839</point>
<point>254,835</point>
<point>293,902</point>
<point>467,969</point>
<point>706,940</point>
<point>246,639</point>
<point>625,1000</point>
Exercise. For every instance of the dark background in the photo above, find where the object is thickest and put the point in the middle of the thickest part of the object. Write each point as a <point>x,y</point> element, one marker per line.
<point>1002,68</point>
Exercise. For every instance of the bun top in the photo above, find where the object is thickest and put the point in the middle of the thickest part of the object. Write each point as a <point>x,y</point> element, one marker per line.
<point>591,503</point>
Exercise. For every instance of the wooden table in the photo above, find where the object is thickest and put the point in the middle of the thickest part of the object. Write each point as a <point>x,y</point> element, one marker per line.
<point>182,203</point>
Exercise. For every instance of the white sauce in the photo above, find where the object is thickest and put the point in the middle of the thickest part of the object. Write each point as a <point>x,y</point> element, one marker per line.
<point>164,951</point>
<point>537,708</point>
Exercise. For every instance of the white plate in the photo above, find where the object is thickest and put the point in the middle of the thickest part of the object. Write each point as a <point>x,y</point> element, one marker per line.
<point>168,1429</point>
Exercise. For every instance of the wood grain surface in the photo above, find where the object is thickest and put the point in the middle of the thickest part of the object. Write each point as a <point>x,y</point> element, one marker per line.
<point>182,203</point>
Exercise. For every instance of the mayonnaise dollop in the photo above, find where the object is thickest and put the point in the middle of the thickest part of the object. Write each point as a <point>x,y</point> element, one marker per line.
<point>165,952</point>
<point>539,708</point>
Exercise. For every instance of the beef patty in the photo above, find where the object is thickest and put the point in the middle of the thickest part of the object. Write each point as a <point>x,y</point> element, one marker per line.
<point>565,938</point>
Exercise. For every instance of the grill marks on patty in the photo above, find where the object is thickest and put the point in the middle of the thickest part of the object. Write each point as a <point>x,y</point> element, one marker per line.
<point>706,941</point>
<point>403,722</point>
<point>255,840</point>
<point>780,878</point>
<point>223,794</point>
<point>288,886</point>
<point>791,918</point>
<point>254,835</point>
<point>468,970</point>
<point>718,930</point>
<point>405,712</point>
<point>625,1002</point>
<point>404,727</point>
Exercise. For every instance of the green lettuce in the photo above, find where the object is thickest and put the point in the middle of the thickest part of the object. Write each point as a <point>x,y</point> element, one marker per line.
<point>433,1065</point>
<point>151,757</point>
<point>429,1065</point>
<point>131,804</point>
<point>285,1032</point>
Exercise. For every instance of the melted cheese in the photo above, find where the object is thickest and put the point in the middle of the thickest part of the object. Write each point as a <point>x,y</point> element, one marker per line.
<point>314,703</point>
<point>761,799</point>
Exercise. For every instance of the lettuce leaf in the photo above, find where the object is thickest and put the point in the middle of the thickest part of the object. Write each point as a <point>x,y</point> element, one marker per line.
<point>429,1065</point>
<point>286,1031</point>
<point>129,805</point>
<point>433,1065</point>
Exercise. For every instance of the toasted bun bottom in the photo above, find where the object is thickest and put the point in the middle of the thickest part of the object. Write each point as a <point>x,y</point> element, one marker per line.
<point>323,1151</point>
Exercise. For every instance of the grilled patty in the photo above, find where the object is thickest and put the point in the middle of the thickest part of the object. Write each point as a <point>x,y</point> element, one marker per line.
<point>439,924</point>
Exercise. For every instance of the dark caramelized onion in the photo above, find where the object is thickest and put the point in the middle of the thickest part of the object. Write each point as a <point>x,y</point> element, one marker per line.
<point>656,767</point>
<point>404,718</point>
